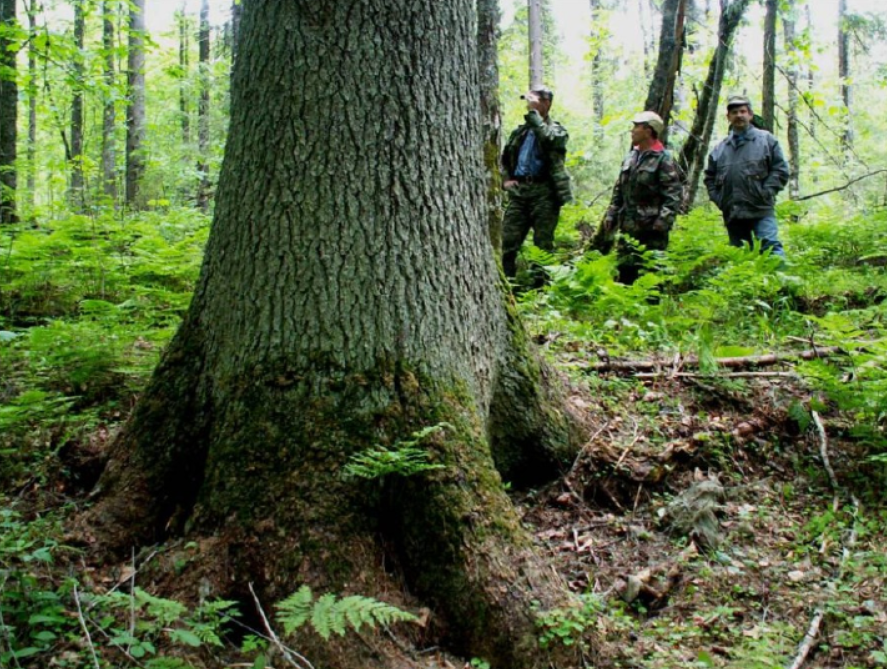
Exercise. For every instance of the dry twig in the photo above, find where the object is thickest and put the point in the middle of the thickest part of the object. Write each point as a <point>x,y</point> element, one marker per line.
<point>95,658</point>
<point>291,656</point>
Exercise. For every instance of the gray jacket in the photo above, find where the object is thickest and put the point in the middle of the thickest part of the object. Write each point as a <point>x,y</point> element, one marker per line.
<point>743,178</point>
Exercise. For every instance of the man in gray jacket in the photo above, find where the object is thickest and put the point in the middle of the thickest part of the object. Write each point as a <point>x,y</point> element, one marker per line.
<point>744,174</point>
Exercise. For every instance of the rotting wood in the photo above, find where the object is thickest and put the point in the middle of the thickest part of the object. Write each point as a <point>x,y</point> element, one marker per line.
<point>742,362</point>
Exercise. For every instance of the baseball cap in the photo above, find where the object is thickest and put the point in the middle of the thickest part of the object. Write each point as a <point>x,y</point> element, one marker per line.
<point>738,101</point>
<point>543,92</point>
<point>652,119</point>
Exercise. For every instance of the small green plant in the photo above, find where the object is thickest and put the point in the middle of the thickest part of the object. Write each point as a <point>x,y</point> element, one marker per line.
<point>329,615</point>
<point>568,625</point>
<point>404,458</point>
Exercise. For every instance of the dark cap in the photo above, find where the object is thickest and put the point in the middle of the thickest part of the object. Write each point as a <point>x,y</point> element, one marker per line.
<point>738,101</point>
<point>543,92</point>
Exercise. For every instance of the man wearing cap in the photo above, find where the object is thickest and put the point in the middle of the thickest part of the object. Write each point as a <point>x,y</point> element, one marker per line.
<point>645,201</point>
<point>535,179</point>
<point>744,174</point>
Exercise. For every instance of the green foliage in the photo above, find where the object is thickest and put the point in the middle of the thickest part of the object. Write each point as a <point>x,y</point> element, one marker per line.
<point>404,458</point>
<point>329,615</point>
<point>567,626</point>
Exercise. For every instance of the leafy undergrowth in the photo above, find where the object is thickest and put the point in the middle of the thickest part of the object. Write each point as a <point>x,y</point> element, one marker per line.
<point>86,304</point>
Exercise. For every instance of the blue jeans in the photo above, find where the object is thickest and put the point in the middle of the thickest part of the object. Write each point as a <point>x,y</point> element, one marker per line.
<point>744,230</point>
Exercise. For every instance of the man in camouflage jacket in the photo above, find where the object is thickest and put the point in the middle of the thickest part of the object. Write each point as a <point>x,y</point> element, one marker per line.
<point>744,173</point>
<point>646,199</point>
<point>535,179</point>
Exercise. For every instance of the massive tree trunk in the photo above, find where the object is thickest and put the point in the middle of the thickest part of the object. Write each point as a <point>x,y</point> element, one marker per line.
<point>109,113</point>
<point>491,117</point>
<point>348,298</point>
<point>768,82</point>
<point>844,74</point>
<point>694,151</point>
<point>791,121</point>
<point>203,109</point>
<point>135,115</point>
<point>660,96</point>
<point>8,112</point>
<point>75,160</point>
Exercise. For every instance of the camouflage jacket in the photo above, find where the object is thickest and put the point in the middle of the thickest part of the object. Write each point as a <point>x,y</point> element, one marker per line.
<point>551,148</point>
<point>743,179</point>
<point>647,195</point>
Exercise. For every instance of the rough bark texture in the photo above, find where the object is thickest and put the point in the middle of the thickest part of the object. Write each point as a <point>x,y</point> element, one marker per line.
<point>349,297</point>
<point>694,151</point>
<point>75,160</point>
<point>109,114</point>
<point>8,115</point>
<point>660,96</point>
<point>791,121</point>
<point>135,113</point>
<point>844,74</point>
<point>768,82</point>
<point>203,109</point>
<point>491,117</point>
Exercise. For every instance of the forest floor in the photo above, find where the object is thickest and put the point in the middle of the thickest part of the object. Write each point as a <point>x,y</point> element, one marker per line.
<point>713,522</point>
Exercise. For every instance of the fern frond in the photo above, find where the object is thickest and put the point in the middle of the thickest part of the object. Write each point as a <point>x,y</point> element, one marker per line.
<point>323,616</point>
<point>295,610</point>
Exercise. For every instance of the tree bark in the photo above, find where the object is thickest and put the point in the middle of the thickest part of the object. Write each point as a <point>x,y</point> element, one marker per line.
<point>811,74</point>
<point>660,96</point>
<point>31,152</point>
<point>694,152</point>
<point>109,113</point>
<point>236,10</point>
<point>348,298</point>
<point>75,160</point>
<point>8,112</point>
<point>135,115</point>
<point>844,74</point>
<point>768,92</point>
<point>645,37</point>
<point>791,122</point>
<point>537,66</point>
<point>203,109</point>
<point>491,117</point>
<point>597,74</point>
<point>184,66</point>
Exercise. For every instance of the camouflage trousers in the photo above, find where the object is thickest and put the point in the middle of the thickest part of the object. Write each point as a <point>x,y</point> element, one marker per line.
<point>530,206</point>
<point>629,261</point>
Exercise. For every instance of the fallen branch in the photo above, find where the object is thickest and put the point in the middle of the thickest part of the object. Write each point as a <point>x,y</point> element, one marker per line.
<point>89,643</point>
<point>742,362</point>
<point>840,188</point>
<point>731,375</point>
<point>809,639</point>
<point>288,653</point>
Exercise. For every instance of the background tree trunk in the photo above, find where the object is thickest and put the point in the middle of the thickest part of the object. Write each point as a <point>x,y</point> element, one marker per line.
<point>135,116</point>
<point>491,118</point>
<point>791,124</point>
<point>203,109</point>
<point>349,297</point>
<point>109,112</point>
<point>31,152</point>
<point>75,160</point>
<point>844,74</point>
<point>660,96</point>
<point>184,66</point>
<point>694,152</point>
<point>537,66</point>
<point>8,113</point>
<point>768,88</point>
<point>597,67</point>
<point>236,10</point>
<point>646,36</point>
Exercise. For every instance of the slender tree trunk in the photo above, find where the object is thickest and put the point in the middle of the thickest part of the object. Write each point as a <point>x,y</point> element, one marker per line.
<point>811,75</point>
<point>597,67</point>
<point>660,96</point>
<point>32,107</point>
<point>203,109</point>
<point>537,67</point>
<point>488,68</point>
<point>8,112</point>
<point>844,74</point>
<point>348,298</point>
<point>794,146</point>
<point>184,67</point>
<point>75,160</point>
<point>645,37</point>
<point>109,113</point>
<point>768,93</point>
<point>236,11</point>
<point>135,116</point>
<point>694,152</point>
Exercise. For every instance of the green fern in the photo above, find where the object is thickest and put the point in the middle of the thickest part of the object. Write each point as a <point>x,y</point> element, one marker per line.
<point>329,615</point>
<point>405,458</point>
